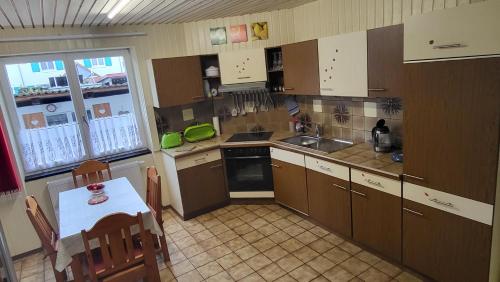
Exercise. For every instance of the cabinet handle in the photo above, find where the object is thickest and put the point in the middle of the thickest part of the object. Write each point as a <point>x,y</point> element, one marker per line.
<point>378,184</point>
<point>413,212</point>
<point>441,203</point>
<point>449,46</point>
<point>339,186</point>
<point>359,193</point>
<point>276,166</point>
<point>200,160</point>
<point>289,88</point>
<point>328,89</point>
<point>244,77</point>
<point>377,89</point>
<point>216,166</point>
<point>325,168</point>
<point>198,97</point>
<point>413,176</point>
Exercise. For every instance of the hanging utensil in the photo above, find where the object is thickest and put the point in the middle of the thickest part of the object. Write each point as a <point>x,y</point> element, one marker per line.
<point>254,109</point>
<point>262,102</point>
<point>234,111</point>
<point>243,111</point>
<point>238,110</point>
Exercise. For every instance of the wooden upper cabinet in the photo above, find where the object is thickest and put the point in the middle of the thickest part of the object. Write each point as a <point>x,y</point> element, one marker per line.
<point>300,68</point>
<point>451,122</point>
<point>178,81</point>
<point>243,66</point>
<point>385,61</point>
<point>465,31</point>
<point>342,65</point>
<point>444,246</point>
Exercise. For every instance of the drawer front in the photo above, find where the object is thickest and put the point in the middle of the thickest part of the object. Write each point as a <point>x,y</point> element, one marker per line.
<point>286,156</point>
<point>197,159</point>
<point>328,168</point>
<point>377,182</point>
<point>444,34</point>
<point>463,207</point>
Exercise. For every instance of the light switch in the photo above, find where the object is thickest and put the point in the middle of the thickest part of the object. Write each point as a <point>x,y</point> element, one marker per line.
<point>370,109</point>
<point>187,114</point>
<point>317,106</point>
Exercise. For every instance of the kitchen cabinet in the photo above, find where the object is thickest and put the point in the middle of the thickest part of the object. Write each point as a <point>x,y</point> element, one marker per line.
<point>196,183</point>
<point>385,61</point>
<point>465,31</point>
<point>177,81</point>
<point>328,189</point>
<point>300,68</point>
<point>444,246</point>
<point>450,124</point>
<point>376,213</point>
<point>243,66</point>
<point>289,177</point>
<point>343,65</point>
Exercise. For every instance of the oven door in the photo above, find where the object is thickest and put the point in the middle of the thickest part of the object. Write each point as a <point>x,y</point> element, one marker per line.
<point>249,173</point>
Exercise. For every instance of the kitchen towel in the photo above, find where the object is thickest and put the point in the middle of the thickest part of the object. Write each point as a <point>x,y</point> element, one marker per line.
<point>292,106</point>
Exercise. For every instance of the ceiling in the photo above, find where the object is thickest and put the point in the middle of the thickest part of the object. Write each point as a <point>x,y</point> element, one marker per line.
<point>86,13</point>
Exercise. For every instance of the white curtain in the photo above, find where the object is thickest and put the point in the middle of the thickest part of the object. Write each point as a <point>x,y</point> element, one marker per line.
<point>51,146</point>
<point>110,135</point>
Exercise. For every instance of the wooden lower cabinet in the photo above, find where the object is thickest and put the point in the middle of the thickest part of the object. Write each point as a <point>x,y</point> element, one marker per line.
<point>376,220</point>
<point>202,187</point>
<point>329,201</point>
<point>290,187</point>
<point>444,246</point>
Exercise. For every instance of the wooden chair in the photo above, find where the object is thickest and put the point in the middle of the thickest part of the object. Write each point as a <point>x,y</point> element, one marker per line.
<point>46,234</point>
<point>153,199</point>
<point>121,258</point>
<point>90,171</point>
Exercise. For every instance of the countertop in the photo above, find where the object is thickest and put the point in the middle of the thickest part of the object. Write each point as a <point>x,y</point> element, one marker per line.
<point>359,156</point>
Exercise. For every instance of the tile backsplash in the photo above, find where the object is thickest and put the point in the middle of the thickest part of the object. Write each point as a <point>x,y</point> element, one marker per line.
<point>339,117</point>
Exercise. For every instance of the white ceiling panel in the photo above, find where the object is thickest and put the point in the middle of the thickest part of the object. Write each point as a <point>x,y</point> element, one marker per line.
<point>67,13</point>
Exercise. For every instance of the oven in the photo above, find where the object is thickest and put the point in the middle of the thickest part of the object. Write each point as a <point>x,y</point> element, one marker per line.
<point>249,173</point>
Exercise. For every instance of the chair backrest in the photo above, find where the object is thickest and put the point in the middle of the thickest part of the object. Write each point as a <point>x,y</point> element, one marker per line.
<point>42,226</point>
<point>153,193</point>
<point>90,171</point>
<point>114,238</point>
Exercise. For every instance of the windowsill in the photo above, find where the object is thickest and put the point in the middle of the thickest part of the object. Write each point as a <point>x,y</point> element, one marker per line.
<point>69,168</point>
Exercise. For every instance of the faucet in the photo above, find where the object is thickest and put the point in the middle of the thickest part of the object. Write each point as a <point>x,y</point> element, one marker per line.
<point>316,130</point>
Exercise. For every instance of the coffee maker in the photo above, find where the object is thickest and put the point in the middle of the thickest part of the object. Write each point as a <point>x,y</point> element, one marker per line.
<point>381,137</point>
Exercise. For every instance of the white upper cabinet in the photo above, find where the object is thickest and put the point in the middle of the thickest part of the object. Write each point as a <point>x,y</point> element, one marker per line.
<point>343,65</point>
<point>243,66</point>
<point>466,31</point>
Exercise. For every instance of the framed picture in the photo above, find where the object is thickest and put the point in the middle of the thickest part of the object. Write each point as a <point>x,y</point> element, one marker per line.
<point>260,31</point>
<point>238,33</point>
<point>218,35</point>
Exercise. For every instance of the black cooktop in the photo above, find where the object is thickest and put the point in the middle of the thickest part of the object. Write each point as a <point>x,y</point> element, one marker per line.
<point>250,136</point>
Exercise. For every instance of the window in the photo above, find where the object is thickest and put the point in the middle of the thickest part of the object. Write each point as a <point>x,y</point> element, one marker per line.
<point>73,113</point>
<point>97,61</point>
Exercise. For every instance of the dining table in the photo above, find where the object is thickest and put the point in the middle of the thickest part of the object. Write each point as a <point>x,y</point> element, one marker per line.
<point>76,214</point>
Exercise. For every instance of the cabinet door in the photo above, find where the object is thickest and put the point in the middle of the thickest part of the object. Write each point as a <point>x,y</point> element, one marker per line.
<point>202,188</point>
<point>300,68</point>
<point>329,201</point>
<point>376,220</point>
<point>451,122</point>
<point>343,65</point>
<point>243,66</point>
<point>444,246</point>
<point>470,30</point>
<point>385,61</point>
<point>178,80</point>
<point>290,185</point>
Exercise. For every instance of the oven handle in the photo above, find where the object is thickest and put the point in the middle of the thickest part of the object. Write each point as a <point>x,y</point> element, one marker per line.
<point>247,157</point>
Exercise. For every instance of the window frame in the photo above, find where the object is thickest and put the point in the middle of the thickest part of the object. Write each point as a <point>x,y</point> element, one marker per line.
<point>68,59</point>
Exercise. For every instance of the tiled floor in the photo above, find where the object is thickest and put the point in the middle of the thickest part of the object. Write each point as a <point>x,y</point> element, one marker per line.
<point>252,243</point>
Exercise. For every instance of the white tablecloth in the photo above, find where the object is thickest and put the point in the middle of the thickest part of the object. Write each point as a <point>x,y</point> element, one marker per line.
<point>75,215</point>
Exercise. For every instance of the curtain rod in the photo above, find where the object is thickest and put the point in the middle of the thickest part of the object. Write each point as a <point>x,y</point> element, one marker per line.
<point>71,36</point>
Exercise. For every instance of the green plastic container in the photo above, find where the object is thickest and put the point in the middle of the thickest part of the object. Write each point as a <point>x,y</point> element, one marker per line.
<point>199,132</point>
<point>171,140</point>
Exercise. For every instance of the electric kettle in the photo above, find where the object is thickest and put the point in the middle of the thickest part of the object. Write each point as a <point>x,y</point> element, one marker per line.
<point>381,137</point>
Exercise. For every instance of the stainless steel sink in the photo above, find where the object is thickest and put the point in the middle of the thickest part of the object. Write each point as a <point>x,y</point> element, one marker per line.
<point>320,144</point>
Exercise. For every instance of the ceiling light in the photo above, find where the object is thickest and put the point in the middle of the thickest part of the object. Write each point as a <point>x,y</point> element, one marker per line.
<point>117,8</point>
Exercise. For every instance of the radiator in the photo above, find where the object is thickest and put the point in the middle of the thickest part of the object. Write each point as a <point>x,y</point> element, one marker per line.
<point>130,170</point>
